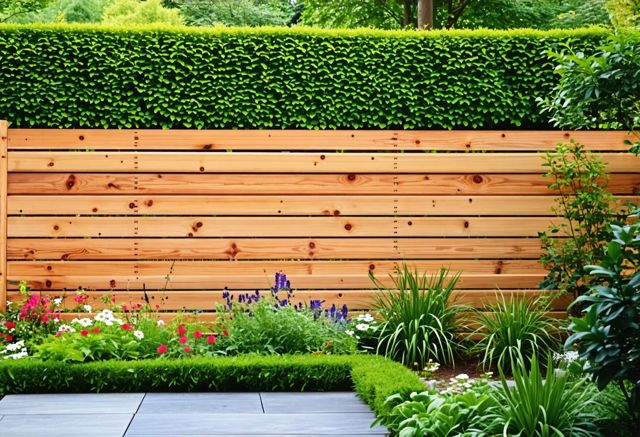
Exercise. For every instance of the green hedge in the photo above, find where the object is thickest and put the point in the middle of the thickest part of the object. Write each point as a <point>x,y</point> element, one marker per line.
<point>374,378</point>
<point>150,77</point>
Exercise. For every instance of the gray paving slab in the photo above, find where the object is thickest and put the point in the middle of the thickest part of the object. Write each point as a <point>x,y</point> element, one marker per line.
<point>71,403</point>
<point>328,402</point>
<point>65,425</point>
<point>253,424</point>
<point>176,403</point>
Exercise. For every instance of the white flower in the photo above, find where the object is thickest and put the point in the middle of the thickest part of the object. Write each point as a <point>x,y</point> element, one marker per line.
<point>349,332</point>
<point>87,308</point>
<point>462,377</point>
<point>138,334</point>
<point>365,318</point>
<point>9,303</point>
<point>118,321</point>
<point>160,323</point>
<point>66,328</point>
<point>15,346</point>
<point>100,317</point>
<point>362,327</point>
<point>57,301</point>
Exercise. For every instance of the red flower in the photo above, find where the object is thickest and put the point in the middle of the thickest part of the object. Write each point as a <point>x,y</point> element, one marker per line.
<point>124,308</point>
<point>182,339</point>
<point>225,333</point>
<point>161,349</point>
<point>211,339</point>
<point>84,332</point>
<point>58,334</point>
<point>182,330</point>
<point>9,338</point>
<point>96,330</point>
<point>127,326</point>
<point>10,325</point>
<point>197,334</point>
<point>44,319</point>
<point>187,349</point>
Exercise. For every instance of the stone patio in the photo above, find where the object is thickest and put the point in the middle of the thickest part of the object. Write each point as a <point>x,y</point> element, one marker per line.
<point>186,414</point>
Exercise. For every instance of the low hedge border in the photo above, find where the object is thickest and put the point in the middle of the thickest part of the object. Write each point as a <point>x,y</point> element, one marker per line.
<point>374,378</point>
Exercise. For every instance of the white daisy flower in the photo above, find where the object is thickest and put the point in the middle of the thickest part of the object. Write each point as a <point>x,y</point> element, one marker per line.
<point>362,327</point>
<point>88,308</point>
<point>138,334</point>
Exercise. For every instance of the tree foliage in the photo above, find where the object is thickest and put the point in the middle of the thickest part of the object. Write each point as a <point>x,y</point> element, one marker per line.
<point>13,8</point>
<point>237,12</point>
<point>134,12</point>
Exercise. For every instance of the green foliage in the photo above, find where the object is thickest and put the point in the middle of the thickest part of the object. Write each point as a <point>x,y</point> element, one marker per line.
<point>514,325</point>
<point>135,12</point>
<point>580,179</point>
<point>598,89</point>
<point>434,414</point>
<point>545,405</point>
<point>373,378</point>
<point>608,336</point>
<point>418,317</point>
<point>265,329</point>
<point>237,12</point>
<point>624,13</point>
<point>83,76</point>
<point>13,8</point>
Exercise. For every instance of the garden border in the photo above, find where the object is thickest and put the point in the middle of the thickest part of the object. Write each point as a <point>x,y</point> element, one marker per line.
<point>373,378</point>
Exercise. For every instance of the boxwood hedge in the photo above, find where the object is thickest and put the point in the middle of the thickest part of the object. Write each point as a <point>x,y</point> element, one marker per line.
<point>150,77</point>
<point>374,378</point>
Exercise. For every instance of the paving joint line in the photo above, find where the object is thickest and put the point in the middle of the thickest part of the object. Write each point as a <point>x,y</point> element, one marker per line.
<point>133,416</point>
<point>261,402</point>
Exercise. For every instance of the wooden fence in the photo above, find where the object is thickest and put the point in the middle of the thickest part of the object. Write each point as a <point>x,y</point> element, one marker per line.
<point>117,211</point>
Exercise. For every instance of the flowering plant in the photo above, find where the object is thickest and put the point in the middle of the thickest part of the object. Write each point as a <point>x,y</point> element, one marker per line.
<point>189,340</point>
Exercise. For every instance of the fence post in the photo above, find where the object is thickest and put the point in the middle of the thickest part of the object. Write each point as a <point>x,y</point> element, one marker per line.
<point>4,167</point>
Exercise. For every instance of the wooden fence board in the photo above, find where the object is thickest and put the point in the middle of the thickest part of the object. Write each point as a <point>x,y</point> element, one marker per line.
<point>211,227</point>
<point>4,160</point>
<point>297,184</point>
<point>141,139</point>
<point>272,248</point>
<point>253,162</point>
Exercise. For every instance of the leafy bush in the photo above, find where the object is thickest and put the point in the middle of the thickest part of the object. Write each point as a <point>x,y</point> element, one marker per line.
<point>134,12</point>
<point>418,318</point>
<point>430,413</point>
<point>579,178</point>
<point>272,325</point>
<point>608,337</point>
<point>277,78</point>
<point>545,405</point>
<point>514,325</point>
<point>237,12</point>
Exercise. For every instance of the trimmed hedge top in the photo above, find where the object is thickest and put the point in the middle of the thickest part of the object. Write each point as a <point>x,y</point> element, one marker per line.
<point>151,77</point>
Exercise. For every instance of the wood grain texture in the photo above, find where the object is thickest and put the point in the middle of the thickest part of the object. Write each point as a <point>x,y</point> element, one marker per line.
<point>4,159</point>
<point>296,184</point>
<point>272,248</point>
<point>142,139</point>
<point>274,162</point>
<point>212,227</point>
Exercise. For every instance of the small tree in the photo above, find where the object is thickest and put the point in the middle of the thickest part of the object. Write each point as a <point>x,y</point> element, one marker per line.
<point>132,12</point>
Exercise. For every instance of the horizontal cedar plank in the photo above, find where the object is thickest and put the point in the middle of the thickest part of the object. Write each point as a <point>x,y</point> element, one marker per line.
<point>283,205</point>
<point>253,162</point>
<point>243,281</point>
<point>206,300</point>
<point>466,320</point>
<point>266,269</point>
<point>277,227</point>
<point>189,248</point>
<point>301,184</point>
<point>142,139</point>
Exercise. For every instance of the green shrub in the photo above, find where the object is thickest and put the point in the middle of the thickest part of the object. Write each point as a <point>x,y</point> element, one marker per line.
<point>135,12</point>
<point>237,12</point>
<point>84,76</point>
<point>545,405</point>
<point>418,318</point>
<point>608,336</point>
<point>514,324</point>
<point>373,378</point>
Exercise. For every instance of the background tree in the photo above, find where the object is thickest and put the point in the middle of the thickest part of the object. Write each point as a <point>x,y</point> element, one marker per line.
<point>624,13</point>
<point>238,12</point>
<point>131,12</point>
<point>13,8</point>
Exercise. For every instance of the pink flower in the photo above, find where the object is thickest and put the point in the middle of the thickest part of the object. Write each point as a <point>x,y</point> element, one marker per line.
<point>161,349</point>
<point>84,332</point>
<point>182,339</point>
<point>81,299</point>
<point>187,349</point>
<point>124,308</point>
<point>197,334</point>
<point>44,319</point>
<point>10,325</point>
<point>127,326</point>
<point>211,339</point>
<point>96,330</point>
<point>182,330</point>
